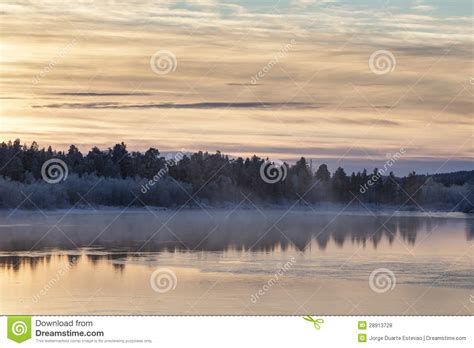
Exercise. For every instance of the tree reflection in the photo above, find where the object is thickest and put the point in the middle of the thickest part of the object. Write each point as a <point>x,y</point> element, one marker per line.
<point>243,231</point>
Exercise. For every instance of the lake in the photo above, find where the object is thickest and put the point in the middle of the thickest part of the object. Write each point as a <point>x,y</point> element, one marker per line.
<point>270,261</point>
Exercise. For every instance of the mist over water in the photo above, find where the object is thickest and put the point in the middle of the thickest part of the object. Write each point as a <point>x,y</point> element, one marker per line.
<point>238,249</point>
<point>193,230</point>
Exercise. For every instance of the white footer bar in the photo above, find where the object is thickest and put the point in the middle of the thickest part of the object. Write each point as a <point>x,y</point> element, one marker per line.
<point>236,331</point>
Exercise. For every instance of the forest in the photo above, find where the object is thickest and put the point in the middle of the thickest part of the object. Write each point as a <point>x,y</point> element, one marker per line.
<point>117,177</point>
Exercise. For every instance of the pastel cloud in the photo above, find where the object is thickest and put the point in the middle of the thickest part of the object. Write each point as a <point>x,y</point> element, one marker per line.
<point>81,73</point>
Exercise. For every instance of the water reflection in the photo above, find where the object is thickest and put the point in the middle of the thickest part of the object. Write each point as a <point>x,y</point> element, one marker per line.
<point>223,231</point>
<point>102,263</point>
<point>246,231</point>
<point>108,237</point>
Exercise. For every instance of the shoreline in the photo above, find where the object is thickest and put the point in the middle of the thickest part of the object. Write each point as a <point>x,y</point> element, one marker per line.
<point>320,209</point>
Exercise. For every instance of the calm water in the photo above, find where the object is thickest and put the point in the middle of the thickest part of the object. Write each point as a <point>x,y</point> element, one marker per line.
<point>235,262</point>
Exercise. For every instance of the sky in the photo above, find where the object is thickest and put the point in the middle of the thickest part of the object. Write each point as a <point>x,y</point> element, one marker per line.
<point>348,83</point>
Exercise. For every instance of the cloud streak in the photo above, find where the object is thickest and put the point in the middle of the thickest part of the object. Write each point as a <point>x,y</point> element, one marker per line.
<point>205,106</point>
<point>100,94</point>
<point>322,95</point>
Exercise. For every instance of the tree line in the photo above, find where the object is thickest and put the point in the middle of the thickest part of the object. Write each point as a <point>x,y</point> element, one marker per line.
<point>213,179</point>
